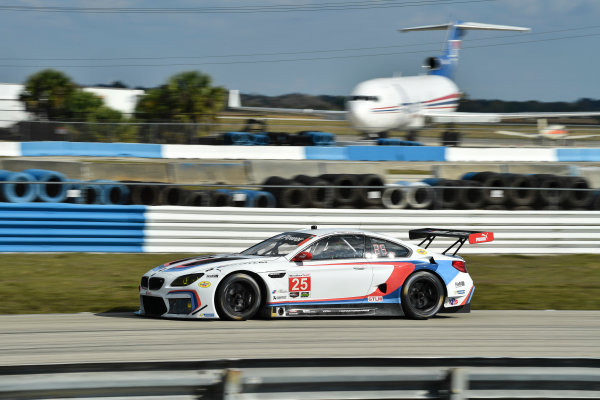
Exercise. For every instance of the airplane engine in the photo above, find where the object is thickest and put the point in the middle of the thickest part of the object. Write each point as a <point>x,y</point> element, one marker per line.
<point>432,63</point>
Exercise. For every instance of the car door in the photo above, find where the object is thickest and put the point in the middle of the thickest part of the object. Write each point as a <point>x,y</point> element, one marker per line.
<point>387,257</point>
<point>337,272</point>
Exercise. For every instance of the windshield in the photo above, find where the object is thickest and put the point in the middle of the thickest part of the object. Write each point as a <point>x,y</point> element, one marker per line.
<point>279,245</point>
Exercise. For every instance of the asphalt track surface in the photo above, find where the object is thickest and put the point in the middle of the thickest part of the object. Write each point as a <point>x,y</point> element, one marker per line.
<point>75,338</point>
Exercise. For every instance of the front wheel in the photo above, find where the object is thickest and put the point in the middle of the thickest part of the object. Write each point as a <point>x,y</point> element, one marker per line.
<point>238,297</point>
<point>422,295</point>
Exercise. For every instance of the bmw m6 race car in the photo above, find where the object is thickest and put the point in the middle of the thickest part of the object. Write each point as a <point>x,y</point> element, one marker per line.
<point>317,272</point>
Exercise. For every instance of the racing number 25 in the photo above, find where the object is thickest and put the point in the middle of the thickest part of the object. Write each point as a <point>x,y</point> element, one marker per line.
<point>300,283</point>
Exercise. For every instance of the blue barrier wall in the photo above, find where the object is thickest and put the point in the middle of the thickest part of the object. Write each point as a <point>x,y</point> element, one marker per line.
<point>396,153</point>
<point>326,153</point>
<point>337,153</point>
<point>578,154</point>
<point>48,227</point>
<point>144,150</point>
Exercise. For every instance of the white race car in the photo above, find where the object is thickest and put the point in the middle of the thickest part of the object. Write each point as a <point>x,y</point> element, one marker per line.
<point>317,272</point>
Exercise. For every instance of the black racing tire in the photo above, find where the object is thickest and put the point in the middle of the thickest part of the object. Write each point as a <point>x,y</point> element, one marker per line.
<point>470,199</point>
<point>522,193</point>
<point>238,297</point>
<point>447,197</point>
<point>318,197</point>
<point>578,196</point>
<point>346,193</point>
<point>422,295</point>
<point>372,195</point>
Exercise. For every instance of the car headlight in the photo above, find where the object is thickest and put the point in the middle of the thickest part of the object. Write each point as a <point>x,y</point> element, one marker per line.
<point>186,280</point>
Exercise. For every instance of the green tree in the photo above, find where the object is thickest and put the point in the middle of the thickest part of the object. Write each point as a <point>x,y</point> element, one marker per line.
<point>185,97</point>
<point>82,105</point>
<point>47,94</point>
<point>52,95</point>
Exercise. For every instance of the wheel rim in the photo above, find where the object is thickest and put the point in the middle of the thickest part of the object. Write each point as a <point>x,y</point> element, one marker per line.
<point>423,295</point>
<point>239,297</point>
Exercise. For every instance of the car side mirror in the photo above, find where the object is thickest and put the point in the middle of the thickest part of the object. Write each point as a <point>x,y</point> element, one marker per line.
<point>302,256</point>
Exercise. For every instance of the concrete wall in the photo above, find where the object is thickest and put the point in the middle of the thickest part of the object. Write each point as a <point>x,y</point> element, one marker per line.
<point>457,170</point>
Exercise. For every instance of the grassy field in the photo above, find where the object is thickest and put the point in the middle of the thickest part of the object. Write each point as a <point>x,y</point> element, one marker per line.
<point>67,283</point>
<point>343,127</point>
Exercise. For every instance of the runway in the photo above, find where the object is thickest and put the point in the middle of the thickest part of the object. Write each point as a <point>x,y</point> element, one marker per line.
<point>75,338</point>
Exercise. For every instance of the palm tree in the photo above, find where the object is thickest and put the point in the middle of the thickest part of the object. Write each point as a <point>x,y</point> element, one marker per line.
<point>47,94</point>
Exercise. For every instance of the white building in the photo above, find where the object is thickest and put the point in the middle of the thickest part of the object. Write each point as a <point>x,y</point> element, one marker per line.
<point>13,111</point>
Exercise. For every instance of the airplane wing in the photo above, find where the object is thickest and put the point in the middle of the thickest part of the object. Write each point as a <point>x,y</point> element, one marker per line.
<point>511,133</point>
<point>235,103</point>
<point>581,136</point>
<point>466,117</point>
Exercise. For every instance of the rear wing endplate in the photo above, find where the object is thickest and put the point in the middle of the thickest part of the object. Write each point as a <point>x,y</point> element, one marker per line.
<point>429,234</point>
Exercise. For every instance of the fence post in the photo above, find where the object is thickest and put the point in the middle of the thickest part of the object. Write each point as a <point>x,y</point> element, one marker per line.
<point>458,384</point>
<point>232,384</point>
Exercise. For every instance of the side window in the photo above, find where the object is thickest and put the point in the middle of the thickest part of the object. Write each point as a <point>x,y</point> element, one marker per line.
<point>379,248</point>
<point>338,247</point>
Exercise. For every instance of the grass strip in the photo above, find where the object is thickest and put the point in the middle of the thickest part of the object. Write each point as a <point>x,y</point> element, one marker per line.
<point>80,282</point>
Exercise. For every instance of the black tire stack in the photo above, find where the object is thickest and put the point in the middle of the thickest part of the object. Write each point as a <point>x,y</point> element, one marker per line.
<point>327,190</point>
<point>501,191</point>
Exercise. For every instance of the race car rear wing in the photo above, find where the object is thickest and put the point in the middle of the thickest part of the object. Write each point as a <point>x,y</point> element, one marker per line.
<point>429,234</point>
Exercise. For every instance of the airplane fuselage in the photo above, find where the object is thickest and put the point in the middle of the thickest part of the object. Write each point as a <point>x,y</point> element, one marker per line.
<point>384,104</point>
<point>554,132</point>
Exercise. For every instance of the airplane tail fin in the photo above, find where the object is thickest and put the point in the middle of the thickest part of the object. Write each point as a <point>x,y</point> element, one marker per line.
<point>446,63</point>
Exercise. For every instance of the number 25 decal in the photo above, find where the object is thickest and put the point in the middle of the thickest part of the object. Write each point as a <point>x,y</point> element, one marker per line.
<point>379,249</point>
<point>299,283</point>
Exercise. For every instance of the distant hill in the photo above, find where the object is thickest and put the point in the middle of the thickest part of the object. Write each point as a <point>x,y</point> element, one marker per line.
<point>324,102</point>
<point>468,105</point>
<point>295,100</point>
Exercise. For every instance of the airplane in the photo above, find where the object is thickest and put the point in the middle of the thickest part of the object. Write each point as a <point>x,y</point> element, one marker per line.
<point>377,106</point>
<point>545,131</point>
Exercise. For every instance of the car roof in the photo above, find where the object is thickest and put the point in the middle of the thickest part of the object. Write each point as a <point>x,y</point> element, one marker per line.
<point>330,231</point>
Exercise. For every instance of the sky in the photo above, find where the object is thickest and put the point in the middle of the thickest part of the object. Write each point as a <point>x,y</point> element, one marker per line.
<point>325,47</point>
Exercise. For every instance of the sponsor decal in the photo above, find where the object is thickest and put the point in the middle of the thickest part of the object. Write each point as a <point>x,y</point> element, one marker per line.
<point>305,294</point>
<point>274,291</point>
<point>460,284</point>
<point>305,240</point>
<point>292,238</point>
<point>204,284</point>
<point>294,294</point>
<point>375,299</point>
<point>279,297</point>
<point>453,302</point>
<point>207,315</point>
<point>299,283</point>
<point>461,291</point>
<point>422,251</point>
<point>212,276</point>
<point>481,237</point>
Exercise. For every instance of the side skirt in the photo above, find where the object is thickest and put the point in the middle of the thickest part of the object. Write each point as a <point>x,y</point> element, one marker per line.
<point>336,310</point>
<point>456,310</point>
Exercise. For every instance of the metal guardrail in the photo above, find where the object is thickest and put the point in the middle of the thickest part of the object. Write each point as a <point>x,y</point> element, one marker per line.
<point>229,229</point>
<point>287,379</point>
<point>34,227</point>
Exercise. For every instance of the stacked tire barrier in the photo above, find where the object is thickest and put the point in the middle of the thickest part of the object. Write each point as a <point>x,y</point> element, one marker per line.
<point>326,191</point>
<point>45,186</point>
<point>528,192</point>
<point>304,138</point>
<point>475,190</point>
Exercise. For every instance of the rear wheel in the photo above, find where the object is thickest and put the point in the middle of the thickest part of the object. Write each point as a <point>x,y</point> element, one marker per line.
<point>238,297</point>
<point>422,295</point>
